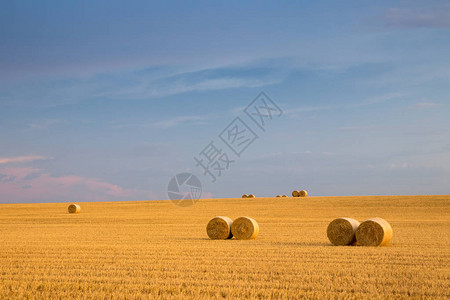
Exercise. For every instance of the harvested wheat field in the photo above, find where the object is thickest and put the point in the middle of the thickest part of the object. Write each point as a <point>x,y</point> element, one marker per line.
<point>154,249</point>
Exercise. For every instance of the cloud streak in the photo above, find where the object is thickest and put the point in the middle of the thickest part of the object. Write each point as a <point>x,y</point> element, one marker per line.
<point>137,85</point>
<point>438,17</point>
<point>167,123</point>
<point>22,159</point>
<point>181,120</point>
<point>424,105</point>
<point>364,102</point>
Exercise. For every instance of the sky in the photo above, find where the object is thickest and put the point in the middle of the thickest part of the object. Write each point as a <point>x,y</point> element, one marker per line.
<point>108,100</point>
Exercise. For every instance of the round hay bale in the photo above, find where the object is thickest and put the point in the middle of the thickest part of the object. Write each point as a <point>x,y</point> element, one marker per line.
<point>374,232</point>
<point>295,193</point>
<point>284,196</point>
<point>251,196</point>
<point>244,196</point>
<point>245,228</point>
<point>219,228</point>
<point>74,208</point>
<point>302,193</point>
<point>341,231</point>
<point>277,196</point>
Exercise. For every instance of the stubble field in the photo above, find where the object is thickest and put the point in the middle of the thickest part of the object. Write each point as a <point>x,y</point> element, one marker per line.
<point>154,249</point>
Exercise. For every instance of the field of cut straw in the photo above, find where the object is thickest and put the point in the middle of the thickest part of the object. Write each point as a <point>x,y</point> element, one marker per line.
<point>153,249</point>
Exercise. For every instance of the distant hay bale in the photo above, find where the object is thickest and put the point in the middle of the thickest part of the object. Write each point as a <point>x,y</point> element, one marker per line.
<point>74,208</point>
<point>341,231</point>
<point>277,196</point>
<point>244,196</point>
<point>251,196</point>
<point>295,193</point>
<point>245,228</point>
<point>302,193</point>
<point>284,196</point>
<point>219,228</point>
<point>374,232</point>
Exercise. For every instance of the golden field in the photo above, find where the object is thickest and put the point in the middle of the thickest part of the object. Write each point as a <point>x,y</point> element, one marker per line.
<point>154,249</point>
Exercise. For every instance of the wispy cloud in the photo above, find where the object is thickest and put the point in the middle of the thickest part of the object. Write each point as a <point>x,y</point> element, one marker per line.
<point>167,123</point>
<point>22,159</point>
<point>407,75</point>
<point>424,105</point>
<point>301,109</point>
<point>379,99</point>
<point>209,85</point>
<point>437,17</point>
<point>356,128</point>
<point>181,120</point>
<point>402,165</point>
<point>139,85</point>
<point>152,149</point>
<point>45,123</point>
<point>364,102</point>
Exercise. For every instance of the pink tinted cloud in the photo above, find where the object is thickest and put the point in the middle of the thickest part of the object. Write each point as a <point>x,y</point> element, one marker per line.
<point>33,185</point>
<point>21,159</point>
<point>207,195</point>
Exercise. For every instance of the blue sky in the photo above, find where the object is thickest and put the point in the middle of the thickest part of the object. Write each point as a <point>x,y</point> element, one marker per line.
<point>108,100</point>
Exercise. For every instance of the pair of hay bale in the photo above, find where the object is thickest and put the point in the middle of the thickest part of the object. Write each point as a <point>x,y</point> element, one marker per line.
<point>348,231</point>
<point>301,193</point>
<point>223,228</point>
<point>248,196</point>
<point>74,208</point>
